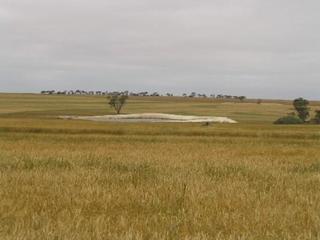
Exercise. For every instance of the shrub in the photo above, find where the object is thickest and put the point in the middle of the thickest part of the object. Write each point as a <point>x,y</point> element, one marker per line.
<point>317,117</point>
<point>289,120</point>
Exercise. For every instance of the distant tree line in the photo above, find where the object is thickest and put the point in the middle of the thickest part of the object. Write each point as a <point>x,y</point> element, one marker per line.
<point>141,94</point>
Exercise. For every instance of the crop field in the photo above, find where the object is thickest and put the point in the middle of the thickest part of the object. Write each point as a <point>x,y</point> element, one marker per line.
<point>81,180</point>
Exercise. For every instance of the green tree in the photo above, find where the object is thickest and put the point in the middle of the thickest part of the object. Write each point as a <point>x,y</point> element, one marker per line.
<point>301,106</point>
<point>242,98</point>
<point>117,102</point>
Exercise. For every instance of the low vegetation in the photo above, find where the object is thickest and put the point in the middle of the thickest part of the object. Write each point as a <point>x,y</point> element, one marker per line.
<point>67,179</point>
<point>290,119</point>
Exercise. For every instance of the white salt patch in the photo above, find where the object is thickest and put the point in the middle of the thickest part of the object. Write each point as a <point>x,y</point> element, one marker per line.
<point>152,117</point>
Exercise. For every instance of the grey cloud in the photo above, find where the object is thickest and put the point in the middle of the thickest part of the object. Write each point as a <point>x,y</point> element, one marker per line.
<point>252,47</point>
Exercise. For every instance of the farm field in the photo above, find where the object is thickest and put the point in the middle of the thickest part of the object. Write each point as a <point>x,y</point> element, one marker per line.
<point>79,180</point>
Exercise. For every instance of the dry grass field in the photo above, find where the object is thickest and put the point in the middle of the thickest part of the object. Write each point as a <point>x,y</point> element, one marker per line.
<point>78,180</point>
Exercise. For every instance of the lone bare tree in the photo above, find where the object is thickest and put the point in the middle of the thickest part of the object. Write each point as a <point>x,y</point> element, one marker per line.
<point>117,102</point>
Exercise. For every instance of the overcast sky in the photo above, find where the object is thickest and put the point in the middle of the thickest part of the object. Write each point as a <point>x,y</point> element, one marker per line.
<point>258,48</point>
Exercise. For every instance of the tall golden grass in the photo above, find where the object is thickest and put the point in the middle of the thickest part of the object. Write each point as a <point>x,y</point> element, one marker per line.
<point>63,179</point>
